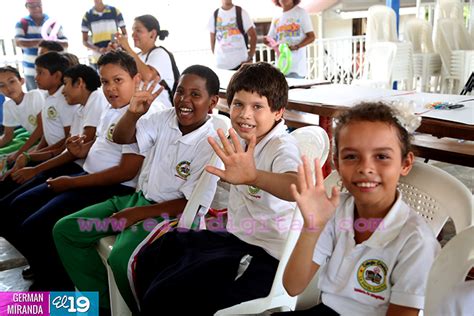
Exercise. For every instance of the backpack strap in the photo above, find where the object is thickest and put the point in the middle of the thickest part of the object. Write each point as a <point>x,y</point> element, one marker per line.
<point>24,25</point>
<point>215,23</point>
<point>240,25</point>
<point>175,69</point>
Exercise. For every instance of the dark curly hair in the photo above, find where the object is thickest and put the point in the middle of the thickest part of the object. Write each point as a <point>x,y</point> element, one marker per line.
<point>295,2</point>
<point>372,112</point>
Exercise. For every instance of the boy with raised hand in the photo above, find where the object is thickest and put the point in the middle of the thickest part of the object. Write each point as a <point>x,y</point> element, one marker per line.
<point>109,169</point>
<point>174,141</point>
<point>260,161</point>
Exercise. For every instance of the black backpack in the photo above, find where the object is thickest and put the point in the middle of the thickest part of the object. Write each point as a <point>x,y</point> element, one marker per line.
<point>240,25</point>
<point>175,69</point>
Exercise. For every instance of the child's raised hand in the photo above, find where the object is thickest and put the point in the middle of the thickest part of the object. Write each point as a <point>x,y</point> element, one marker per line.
<point>144,96</point>
<point>315,206</point>
<point>239,164</point>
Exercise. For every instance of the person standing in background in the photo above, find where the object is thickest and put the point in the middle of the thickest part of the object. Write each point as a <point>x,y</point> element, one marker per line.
<point>292,26</point>
<point>28,36</point>
<point>231,31</point>
<point>102,21</point>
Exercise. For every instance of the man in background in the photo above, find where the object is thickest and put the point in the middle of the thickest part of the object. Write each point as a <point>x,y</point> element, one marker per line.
<point>102,22</point>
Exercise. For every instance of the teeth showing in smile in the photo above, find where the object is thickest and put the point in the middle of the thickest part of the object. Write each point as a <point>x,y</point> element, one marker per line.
<point>367,184</point>
<point>187,110</point>
<point>246,125</point>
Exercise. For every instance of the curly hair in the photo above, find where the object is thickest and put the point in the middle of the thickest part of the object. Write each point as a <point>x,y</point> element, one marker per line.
<point>295,2</point>
<point>372,112</point>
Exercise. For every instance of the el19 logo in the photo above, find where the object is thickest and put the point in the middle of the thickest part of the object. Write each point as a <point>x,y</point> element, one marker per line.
<point>74,303</point>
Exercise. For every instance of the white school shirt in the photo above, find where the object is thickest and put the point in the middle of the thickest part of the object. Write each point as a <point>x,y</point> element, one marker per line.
<point>255,216</point>
<point>104,153</point>
<point>161,61</point>
<point>291,27</point>
<point>25,113</point>
<point>390,267</point>
<point>88,115</point>
<point>230,48</point>
<point>174,161</point>
<point>55,115</point>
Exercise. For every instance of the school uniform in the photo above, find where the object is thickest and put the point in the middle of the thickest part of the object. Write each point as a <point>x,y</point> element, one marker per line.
<point>391,267</point>
<point>24,115</point>
<point>38,209</point>
<point>55,115</point>
<point>203,265</point>
<point>171,169</point>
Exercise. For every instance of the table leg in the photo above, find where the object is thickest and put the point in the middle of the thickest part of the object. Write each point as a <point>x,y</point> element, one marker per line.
<point>325,122</point>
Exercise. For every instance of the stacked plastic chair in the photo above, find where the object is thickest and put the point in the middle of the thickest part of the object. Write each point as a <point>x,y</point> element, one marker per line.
<point>454,45</point>
<point>426,63</point>
<point>381,25</point>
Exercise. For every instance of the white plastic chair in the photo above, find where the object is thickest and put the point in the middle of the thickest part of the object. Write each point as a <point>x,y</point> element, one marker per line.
<point>381,25</point>
<point>192,210</point>
<point>448,272</point>
<point>313,142</point>
<point>402,71</point>
<point>455,47</point>
<point>435,201</point>
<point>378,66</point>
<point>426,63</point>
<point>434,194</point>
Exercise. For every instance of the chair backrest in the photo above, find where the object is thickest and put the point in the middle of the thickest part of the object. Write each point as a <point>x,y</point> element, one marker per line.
<point>221,121</point>
<point>381,25</point>
<point>449,271</point>
<point>313,142</point>
<point>420,33</point>
<point>379,60</point>
<point>435,200</point>
<point>450,35</point>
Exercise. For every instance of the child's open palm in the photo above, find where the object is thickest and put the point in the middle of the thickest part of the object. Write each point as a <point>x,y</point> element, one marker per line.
<point>239,163</point>
<point>144,96</point>
<point>315,206</point>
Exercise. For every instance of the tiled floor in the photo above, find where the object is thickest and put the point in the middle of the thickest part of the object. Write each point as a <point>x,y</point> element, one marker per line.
<point>12,263</point>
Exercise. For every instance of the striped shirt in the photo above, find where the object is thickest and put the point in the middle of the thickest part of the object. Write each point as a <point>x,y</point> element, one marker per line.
<point>33,32</point>
<point>102,25</point>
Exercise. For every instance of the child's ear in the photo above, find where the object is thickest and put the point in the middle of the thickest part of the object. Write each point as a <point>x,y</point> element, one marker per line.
<point>80,82</point>
<point>22,81</point>
<point>137,78</point>
<point>279,114</point>
<point>213,103</point>
<point>407,164</point>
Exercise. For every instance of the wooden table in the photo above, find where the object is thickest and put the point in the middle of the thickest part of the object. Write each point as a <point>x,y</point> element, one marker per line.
<point>327,101</point>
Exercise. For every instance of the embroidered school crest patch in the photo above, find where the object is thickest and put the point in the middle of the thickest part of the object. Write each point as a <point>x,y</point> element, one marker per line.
<point>52,113</point>
<point>372,275</point>
<point>183,169</point>
<point>110,132</point>
<point>32,119</point>
<point>253,191</point>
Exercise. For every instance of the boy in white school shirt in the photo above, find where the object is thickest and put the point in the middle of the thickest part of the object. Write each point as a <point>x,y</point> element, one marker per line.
<point>174,141</point>
<point>110,169</point>
<point>20,109</point>
<point>373,251</point>
<point>260,163</point>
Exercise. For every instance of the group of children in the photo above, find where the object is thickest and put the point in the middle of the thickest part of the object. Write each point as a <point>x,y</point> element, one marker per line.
<point>102,163</point>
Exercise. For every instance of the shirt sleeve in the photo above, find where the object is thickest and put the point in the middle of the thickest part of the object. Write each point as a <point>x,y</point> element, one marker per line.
<point>410,273</point>
<point>147,129</point>
<point>120,21</point>
<point>94,110</point>
<point>19,32</point>
<point>247,21</point>
<point>272,30</point>
<point>85,27</point>
<point>286,158</point>
<point>67,112</point>
<point>325,245</point>
<point>160,60</point>
<point>9,117</point>
<point>37,100</point>
<point>306,24</point>
<point>211,24</point>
